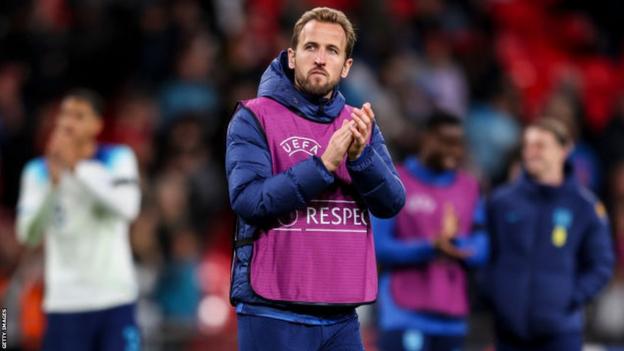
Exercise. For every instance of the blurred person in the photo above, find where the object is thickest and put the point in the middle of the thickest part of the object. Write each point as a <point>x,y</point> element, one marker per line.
<point>192,90</point>
<point>551,248</point>
<point>303,171</point>
<point>79,199</point>
<point>493,131</point>
<point>611,145</point>
<point>585,162</point>
<point>443,77</point>
<point>137,113</point>
<point>608,318</point>
<point>425,250</point>
<point>616,191</point>
<point>186,151</point>
<point>14,130</point>
<point>402,75</point>
<point>178,291</point>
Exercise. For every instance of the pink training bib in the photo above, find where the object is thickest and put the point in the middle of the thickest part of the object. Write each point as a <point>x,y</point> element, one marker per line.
<point>323,253</point>
<point>440,285</point>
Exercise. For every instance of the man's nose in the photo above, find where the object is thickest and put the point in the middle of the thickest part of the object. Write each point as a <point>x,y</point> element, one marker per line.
<point>319,59</point>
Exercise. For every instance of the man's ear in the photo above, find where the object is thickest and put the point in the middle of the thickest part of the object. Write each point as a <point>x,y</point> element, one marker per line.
<point>346,68</point>
<point>291,58</point>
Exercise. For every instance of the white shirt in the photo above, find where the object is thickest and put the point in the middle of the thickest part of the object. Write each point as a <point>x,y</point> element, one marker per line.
<point>83,222</point>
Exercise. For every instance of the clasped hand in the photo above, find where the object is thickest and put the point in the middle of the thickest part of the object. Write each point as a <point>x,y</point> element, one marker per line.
<point>350,139</point>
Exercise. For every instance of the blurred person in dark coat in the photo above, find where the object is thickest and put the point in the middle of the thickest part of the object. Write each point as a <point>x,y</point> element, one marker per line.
<point>551,247</point>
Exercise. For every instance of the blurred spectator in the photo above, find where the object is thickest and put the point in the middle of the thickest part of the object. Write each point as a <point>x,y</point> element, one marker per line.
<point>551,248</point>
<point>135,123</point>
<point>444,79</point>
<point>14,130</point>
<point>612,138</point>
<point>584,160</point>
<point>493,132</point>
<point>178,290</point>
<point>609,312</point>
<point>192,90</point>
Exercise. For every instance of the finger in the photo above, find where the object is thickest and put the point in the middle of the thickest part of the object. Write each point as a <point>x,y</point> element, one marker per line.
<point>368,121</point>
<point>363,115</point>
<point>344,134</point>
<point>346,124</point>
<point>452,251</point>
<point>360,122</point>
<point>359,137</point>
<point>346,129</point>
<point>342,130</point>
<point>358,112</point>
<point>344,138</point>
<point>369,110</point>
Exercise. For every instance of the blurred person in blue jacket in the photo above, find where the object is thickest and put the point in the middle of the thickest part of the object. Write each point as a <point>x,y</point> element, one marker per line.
<point>425,250</point>
<point>551,247</point>
<point>304,169</point>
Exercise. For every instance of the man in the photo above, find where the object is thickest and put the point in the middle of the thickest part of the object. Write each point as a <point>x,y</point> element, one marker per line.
<point>551,248</point>
<point>425,250</point>
<point>303,170</point>
<point>79,199</point>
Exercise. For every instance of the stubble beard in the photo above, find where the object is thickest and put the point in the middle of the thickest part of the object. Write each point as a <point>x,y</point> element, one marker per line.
<point>309,86</point>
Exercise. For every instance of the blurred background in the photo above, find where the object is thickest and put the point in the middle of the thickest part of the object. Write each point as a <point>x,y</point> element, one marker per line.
<point>172,71</point>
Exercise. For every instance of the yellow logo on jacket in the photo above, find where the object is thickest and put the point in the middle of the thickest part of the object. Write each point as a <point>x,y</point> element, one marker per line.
<point>559,236</point>
<point>562,221</point>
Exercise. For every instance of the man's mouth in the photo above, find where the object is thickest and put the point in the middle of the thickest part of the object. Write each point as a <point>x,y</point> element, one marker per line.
<point>313,72</point>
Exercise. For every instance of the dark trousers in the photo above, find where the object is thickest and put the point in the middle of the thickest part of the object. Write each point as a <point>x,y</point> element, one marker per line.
<point>414,340</point>
<point>111,329</point>
<point>262,333</point>
<point>557,342</point>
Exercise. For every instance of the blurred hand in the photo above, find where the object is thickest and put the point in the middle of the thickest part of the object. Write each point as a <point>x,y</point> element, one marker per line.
<point>361,129</point>
<point>450,222</point>
<point>337,146</point>
<point>450,229</point>
<point>61,153</point>
<point>446,247</point>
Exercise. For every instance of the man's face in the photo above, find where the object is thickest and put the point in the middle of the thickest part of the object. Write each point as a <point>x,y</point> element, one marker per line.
<point>541,152</point>
<point>444,147</point>
<point>320,58</point>
<point>78,120</point>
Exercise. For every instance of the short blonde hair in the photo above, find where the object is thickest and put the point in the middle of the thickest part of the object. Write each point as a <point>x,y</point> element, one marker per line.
<point>325,15</point>
<point>556,127</point>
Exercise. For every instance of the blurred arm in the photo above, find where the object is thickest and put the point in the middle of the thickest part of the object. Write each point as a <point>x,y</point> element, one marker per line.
<point>596,261</point>
<point>376,179</point>
<point>36,203</point>
<point>114,184</point>
<point>478,243</point>
<point>393,252</point>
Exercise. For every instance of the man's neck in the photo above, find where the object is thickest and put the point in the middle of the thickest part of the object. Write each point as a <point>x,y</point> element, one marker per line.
<point>554,178</point>
<point>429,164</point>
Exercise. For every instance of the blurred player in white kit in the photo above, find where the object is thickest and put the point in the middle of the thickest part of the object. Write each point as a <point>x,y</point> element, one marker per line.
<point>79,200</point>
